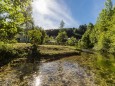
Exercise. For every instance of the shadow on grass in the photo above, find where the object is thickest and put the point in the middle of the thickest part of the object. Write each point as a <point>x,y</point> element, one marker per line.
<point>54,57</point>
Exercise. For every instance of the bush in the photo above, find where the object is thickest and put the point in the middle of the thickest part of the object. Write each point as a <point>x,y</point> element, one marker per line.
<point>62,37</point>
<point>71,41</point>
<point>4,46</point>
<point>35,36</point>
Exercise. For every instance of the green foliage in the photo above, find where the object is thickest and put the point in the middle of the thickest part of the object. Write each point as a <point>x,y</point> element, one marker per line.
<point>12,17</point>
<point>109,6</point>
<point>102,36</point>
<point>43,35</point>
<point>5,46</point>
<point>46,39</point>
<point>72,41</point>
<point>10,51</point>
<point>86,40</point>
<point>82,28</point>
<point>7,52</point>
<point>35,36</point>
<point>103,42</point>
<point>62,37</point>
<point>50,40</point>
<point>105,29</point>
<point>71,32</point>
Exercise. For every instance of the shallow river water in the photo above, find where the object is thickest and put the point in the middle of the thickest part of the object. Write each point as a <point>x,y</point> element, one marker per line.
<point>83,70</point>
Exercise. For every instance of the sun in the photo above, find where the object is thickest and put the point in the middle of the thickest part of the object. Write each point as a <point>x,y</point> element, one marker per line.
<point>41,6</point>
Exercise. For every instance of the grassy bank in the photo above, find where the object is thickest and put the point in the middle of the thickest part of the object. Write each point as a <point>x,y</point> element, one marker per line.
<point>49,50</point>
<point>56,49</point>
<point>8,52</point>
<point>56,52</point>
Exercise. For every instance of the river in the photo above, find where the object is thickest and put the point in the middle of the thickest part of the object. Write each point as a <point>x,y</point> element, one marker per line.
<point>82,70</point>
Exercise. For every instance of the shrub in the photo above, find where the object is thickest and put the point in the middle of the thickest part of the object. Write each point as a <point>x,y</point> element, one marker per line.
<point>62,37</point>
<point>71,41</point>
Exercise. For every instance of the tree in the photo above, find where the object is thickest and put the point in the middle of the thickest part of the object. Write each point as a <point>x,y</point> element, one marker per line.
<point>71,41</point>
<point>109,6</point>
<point>102,27</point>
<point>46,39</point>
<point>101,36</point>
<point>62,37</point>
<point>43,34</point>
<point>70,32</point>
<point>11,17</point>
<point>86,40</point>
<point>82,28</point>
<point>35,39</point>
<point>62,24</point>
<point>35,36</point>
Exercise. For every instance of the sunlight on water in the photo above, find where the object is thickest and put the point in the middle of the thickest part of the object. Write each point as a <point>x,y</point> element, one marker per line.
<point>37,81</point>
<point>62,73</point>
<point>84,70</point>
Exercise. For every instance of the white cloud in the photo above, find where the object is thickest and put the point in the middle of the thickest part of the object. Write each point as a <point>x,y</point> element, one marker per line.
<point>49,13</point>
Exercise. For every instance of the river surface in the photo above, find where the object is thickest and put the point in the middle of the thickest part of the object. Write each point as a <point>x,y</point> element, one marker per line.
<point>84,70</point>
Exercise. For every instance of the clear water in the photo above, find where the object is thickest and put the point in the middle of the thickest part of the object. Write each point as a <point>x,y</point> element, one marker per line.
<point>84,70</point>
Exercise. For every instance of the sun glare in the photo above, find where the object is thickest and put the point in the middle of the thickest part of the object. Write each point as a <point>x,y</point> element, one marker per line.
<point>37,81</point>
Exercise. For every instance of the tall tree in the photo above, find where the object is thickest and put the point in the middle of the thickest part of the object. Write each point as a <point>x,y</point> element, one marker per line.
<point>109,5</point>
<point>102,36</point>
<point>62,24</point>
<point>12,17</point>
<point>86,40</point>
<point>103,24</point>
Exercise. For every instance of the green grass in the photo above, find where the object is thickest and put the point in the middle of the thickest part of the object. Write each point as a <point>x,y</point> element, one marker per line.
<point>47,49</point>
<point>56,49</point>
<point>21,45</point>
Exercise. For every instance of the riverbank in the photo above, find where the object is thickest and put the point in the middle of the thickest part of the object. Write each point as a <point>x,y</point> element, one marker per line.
<point>98,68</point>
<point>55,52</point>
<point>46,52</point>
<point>62,72</point>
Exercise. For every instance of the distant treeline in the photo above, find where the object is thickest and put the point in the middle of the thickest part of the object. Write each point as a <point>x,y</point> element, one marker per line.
<point>71,32</point>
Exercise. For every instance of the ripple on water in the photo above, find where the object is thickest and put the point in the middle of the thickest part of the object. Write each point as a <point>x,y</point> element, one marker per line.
<point>60,73</point>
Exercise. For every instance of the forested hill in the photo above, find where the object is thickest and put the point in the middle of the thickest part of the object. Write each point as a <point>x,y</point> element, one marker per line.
<point>71,32</point>
<point>101,36</point>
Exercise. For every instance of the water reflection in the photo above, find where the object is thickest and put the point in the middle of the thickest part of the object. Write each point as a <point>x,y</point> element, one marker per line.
<point>102,65</point>
<point>85,70</point>
<point>18,73</point>
<point>63,73</point>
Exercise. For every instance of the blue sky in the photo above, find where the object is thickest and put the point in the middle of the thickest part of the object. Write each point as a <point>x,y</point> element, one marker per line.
<point>49,13</point>
<point>85,11</point>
